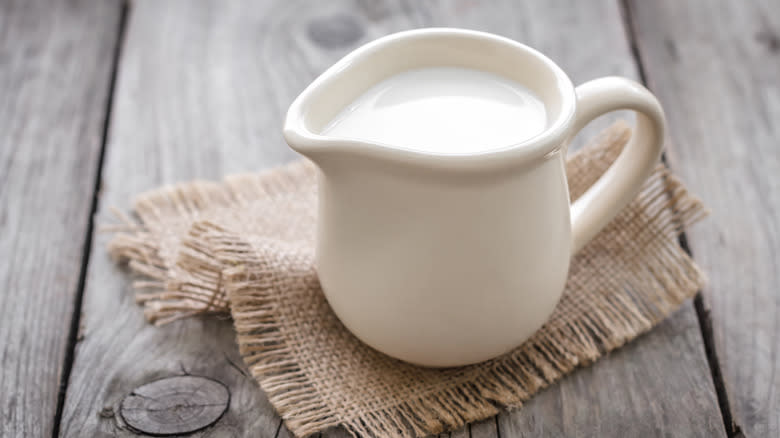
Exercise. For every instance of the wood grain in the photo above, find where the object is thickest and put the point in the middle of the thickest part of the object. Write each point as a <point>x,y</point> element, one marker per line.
<point>175,406</point>
<point>715,65</point>
<point>194,99</point>
<point>55,67</point>
<point>202,90</point>
<point>635,391</point>
<point>482,429</point>
<point>285,433</point>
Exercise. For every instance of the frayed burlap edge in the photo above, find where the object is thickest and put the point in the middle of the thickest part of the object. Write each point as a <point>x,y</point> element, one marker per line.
<point>167,292</point>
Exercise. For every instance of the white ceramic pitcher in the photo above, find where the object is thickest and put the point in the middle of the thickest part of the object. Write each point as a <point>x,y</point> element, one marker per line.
<point>444,260</point>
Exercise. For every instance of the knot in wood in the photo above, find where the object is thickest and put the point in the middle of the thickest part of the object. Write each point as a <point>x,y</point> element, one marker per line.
<point>335,31</point>
<point>175,405</point>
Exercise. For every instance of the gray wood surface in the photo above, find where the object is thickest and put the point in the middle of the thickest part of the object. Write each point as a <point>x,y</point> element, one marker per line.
<point>201,92</point>
<point>715,65</point>
<point>55,67</point>
<point>175,406</point>
<point>194,99</point>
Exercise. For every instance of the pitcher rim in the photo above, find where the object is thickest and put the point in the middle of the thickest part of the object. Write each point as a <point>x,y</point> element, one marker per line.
<point>311,144</point>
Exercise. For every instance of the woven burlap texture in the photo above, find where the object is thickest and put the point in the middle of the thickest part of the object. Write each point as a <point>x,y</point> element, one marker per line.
<point>246,246</point>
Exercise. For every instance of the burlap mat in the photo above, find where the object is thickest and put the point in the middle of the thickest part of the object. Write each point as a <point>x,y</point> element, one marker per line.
<point>246,246</point>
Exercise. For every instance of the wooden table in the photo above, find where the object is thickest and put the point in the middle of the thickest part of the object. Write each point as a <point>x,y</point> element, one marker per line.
<point>100,100</point>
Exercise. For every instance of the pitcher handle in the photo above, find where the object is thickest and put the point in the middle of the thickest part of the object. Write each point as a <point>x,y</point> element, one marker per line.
<point>622,181</point>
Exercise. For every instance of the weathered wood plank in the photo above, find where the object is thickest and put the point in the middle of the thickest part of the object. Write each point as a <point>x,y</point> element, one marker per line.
<point>483,429</point>
<point>202,91</point>
<point>194,99</point>
<point>55,69</point>
<point>716,67</point>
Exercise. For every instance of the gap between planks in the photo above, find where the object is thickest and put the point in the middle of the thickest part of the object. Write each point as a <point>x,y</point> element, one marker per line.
<point>702,313</point>
<point>73,331</point>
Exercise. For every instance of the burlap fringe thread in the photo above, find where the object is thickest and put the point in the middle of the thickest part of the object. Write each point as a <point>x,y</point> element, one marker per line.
<point>180,269</point>
<point>218,269</point>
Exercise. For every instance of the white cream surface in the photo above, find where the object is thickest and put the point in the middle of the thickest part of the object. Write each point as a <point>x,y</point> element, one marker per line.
<point>443,110</point>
